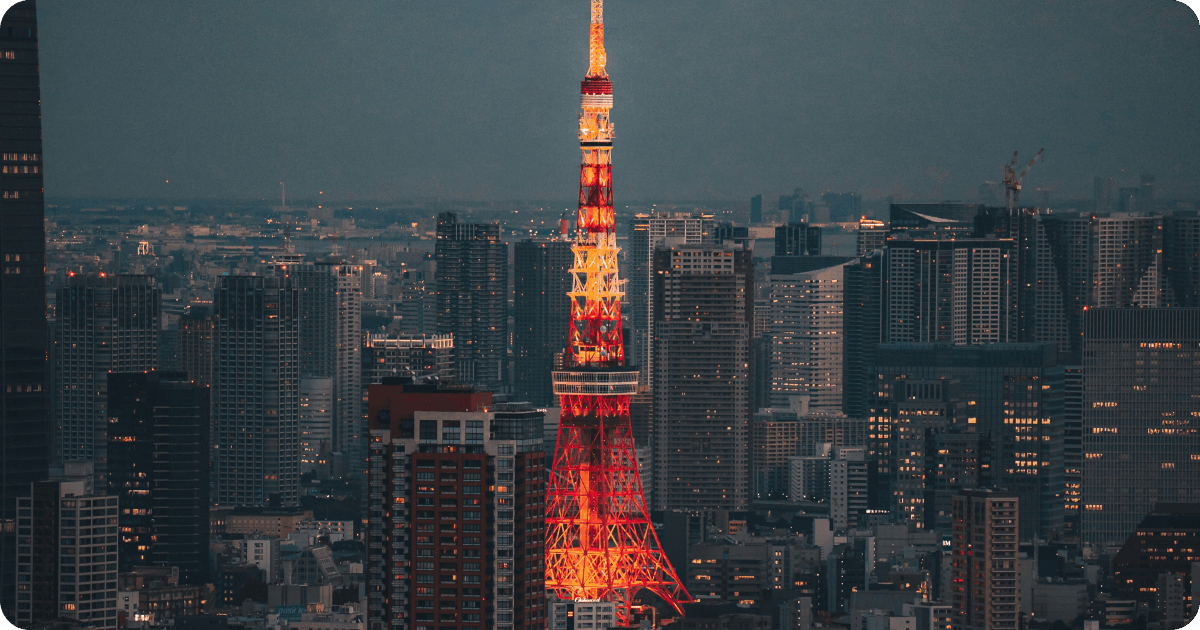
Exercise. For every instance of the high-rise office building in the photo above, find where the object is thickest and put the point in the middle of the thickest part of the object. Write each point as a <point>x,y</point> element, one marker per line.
<point>541,284</point>
<point>1072,449</point>
<point>806,338</point>
<point>159,468</point>
<point>646,233</point>
<point>703,313</point>
<point>985,594</point>
<point>26,435</point>
<point>472,299</point>
<point>456,510</point>
<point>1139,408</point>
<point>256,391</point>
<point>862,330</point>
<point>67,551</point>
<point>316,425</point>
<point>756,216</point>
<point>330,343</point>
<point>797,238</point>
<point>1012,394</point>
<point>107,324</point>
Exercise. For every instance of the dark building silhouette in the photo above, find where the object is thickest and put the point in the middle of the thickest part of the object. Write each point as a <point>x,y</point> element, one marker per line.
<point>843,206</point>
<point>756,209</point>
<point>472,286</point>
<point>541,282</point>
<point>1012,394</point>
<point>1167,540</point>
<point>25,433</point>
<point>862,326</point>
<point>107,324</point>
<point>256,392</point>
<point>158,467</point>
<point>797,238</point>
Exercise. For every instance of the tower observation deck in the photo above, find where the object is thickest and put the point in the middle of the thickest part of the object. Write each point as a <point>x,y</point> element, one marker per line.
<point>600,543</point>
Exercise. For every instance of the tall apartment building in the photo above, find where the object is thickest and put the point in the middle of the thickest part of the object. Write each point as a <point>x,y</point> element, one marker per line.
<point>67,552</point>
<point>26,433</point>
<point>107,324</point>
<point>159,469</point>
<point>256,391</point>
<point>806,338</point>
<point>316,425</point>
<point>456,510</point>
<point>703,314</point>
<point>772,442</point>
<point>862,330</point>
<point>417,357</point>
<point>472,299</point>
<point>985,594</point>
<point>960,291</point>
<point>1012,394</point>
<point>646,233</point>
<point>1140,407</point>
<point>542,280</point>
<point>870,236</point>
<point>330,343</point>
<point>847,487</point>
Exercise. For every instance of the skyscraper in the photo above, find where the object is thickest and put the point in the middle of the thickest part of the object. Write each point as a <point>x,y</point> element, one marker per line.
<point>330,344</point>
<point>960,290</point>
<point>985,592</point>
<point>59,580</point>
<point>316,425</point>
<point>256,391</point>
<point>1012,394</point>
<point>1139,409</point>
<point>196,344</point>
<point>806,338</point>
<point>26,434</point>
<point>107,324</point>
<point>472,286</point>
<point>456,506</point>
<point>756,210</point>
<point>646,233</point>
<point>158,468</point>
<point>541,282</point>
<point>703,314</point>
<point>797,238</point>
<point>862,331</point>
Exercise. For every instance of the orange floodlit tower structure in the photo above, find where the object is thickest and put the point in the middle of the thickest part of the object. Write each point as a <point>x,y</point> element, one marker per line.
<point>599,540</point>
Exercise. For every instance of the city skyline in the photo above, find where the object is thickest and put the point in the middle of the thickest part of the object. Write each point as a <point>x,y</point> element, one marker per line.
<point>379,101</point>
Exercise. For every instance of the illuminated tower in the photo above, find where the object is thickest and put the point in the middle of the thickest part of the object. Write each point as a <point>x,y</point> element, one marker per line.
<point>599,543</point>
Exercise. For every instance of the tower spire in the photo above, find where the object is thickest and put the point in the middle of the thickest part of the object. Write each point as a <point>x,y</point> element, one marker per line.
<point>596,57</point>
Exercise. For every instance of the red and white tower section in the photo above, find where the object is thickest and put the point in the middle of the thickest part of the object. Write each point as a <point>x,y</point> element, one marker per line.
<point>600,543</point>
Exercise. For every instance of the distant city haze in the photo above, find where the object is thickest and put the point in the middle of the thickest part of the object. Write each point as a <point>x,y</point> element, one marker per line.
<point>714,99</point>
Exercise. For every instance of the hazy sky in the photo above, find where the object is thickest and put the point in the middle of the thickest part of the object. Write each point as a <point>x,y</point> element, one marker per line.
<point>715,99</point>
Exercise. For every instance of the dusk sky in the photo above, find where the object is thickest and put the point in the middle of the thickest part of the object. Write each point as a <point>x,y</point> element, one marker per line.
<point>714,99</point>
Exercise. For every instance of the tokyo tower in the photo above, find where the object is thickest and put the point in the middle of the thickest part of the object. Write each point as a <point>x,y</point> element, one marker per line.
<point>600,543</point>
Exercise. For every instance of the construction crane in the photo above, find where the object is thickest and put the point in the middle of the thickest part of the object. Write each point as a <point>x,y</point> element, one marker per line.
<point>1012,181</point>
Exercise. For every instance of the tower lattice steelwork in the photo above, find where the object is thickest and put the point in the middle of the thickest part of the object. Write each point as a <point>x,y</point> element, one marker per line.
<point>600,543</point>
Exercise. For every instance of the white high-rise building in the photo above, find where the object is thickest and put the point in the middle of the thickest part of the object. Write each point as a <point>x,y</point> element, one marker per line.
<point>806,338</point>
